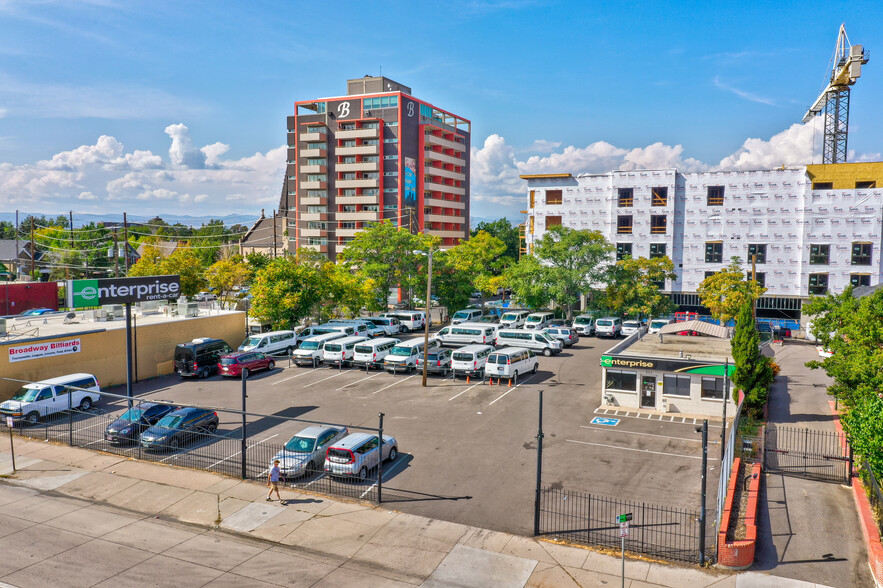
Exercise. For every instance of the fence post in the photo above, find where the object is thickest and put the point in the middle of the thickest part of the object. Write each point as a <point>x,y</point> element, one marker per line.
<point>536,507</point>
<point>805,448</point>
<point>380,461</point>
<point>850,465</point>
<point>702,505</point>
<point>243,448</point>
<point>70,418</point>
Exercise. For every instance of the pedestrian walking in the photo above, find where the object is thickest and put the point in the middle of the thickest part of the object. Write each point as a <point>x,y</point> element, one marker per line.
<point>273,481</point>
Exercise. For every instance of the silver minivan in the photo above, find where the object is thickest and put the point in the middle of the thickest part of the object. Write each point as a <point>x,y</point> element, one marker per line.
<point>358,453</point>
<point>470,360</point>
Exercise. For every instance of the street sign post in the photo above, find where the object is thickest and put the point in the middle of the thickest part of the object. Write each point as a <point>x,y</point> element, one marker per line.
<point>9,424</point>
<point>623,521</point>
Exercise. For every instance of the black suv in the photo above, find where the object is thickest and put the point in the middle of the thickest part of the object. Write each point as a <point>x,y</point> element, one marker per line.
<point>200,357</point>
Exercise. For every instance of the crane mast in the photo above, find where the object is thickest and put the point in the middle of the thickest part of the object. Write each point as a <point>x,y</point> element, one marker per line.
<point>834,99</point>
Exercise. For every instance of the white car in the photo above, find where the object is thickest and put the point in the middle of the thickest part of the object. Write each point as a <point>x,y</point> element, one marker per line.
<point>205,297</point>
<point>824,352</point>
<point>658,323</point>
<point>632,327</point>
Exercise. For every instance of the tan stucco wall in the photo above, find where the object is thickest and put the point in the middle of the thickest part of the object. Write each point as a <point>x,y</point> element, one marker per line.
<point>104,353</point>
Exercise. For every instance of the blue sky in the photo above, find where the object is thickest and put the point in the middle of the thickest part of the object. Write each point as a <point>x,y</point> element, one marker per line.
<point>172,106</point>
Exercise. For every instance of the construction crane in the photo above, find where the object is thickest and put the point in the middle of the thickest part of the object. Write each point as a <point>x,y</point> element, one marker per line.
<point>846,68</point>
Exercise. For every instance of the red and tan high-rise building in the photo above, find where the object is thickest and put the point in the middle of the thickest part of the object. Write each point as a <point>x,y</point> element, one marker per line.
<point>375,154</point>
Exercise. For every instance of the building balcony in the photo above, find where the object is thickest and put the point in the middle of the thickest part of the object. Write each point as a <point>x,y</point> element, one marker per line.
<point>314,135</point>
<point>445,173</point>
<point>340,232</point>
<point>364,215</point>
<point>356,200</point>
<point>358,134</point>
<point>445,143</point>
<point>314,169</point>
<point>304,233</point>
<point>312,201</point>
<point>451,234</point>
<point>359,150</point>
<point>314,153</point>
<point>427,201</point>
<point>313,216</point>
<point>443,218</point>
<point>319,248</point>
<point>363,183</point>
<point>431,155</point>
<point>362,166</point>
<point>430,185</point>
<point>313,185</point>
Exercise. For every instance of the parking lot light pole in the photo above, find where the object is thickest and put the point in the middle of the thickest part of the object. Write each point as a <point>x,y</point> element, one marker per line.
<point>242,449</point>
<point>536,506</point>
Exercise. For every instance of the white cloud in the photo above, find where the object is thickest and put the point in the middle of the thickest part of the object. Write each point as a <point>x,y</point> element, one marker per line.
<point>793,146</point>
<point>182,153</point>
<point>213,153</point>
<point>87,196</point>
<point>750,96</point>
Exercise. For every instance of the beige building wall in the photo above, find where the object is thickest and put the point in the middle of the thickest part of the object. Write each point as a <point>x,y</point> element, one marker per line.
<point>103,353</point>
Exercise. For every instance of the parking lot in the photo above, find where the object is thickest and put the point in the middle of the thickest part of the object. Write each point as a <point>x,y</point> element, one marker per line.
<point>468,449</point>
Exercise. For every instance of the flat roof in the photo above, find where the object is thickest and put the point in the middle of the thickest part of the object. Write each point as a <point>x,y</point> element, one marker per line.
<point>696,347</point>
<point>25,329</point>
<point>544,176</point>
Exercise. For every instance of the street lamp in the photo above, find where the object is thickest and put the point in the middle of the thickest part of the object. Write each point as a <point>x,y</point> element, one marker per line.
<point>428,302</point>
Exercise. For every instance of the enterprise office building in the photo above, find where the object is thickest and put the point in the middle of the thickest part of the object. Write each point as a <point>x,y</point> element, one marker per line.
<point>814,229</point>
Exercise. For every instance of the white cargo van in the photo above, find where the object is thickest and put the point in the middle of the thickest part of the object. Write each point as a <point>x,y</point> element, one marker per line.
<point>513,319</point>
<point>403,357</point>
<point>467,333</point>
<point>372,353</point>
<point>538,320</point>
<point>41,399</point>
<point>411,320</point>
<point>658,323</point>
<point>470,360</point>
<point>584,324</point>
<point>536,340</point>
<point>510,362</point>
<point>274,342</point>
<point>311,348</point>
<point>340,351</point>
<point>468,315</point>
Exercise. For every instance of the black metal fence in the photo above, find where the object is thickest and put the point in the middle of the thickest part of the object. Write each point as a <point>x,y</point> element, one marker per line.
<point>805,453</point>
<point>875,495</point>
<point>660,531</point>
<point>221,451</point>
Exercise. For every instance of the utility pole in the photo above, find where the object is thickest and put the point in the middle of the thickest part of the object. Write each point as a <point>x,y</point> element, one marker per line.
<point>67,269</point>
<point>726,399</point>
<point>17,250</point>
<point>116,255</point>
<point>274,234</point>
<point>33,250</point>
<point>126,238</point>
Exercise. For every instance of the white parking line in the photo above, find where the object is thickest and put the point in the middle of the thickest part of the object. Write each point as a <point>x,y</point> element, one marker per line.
<point>308,484</point>
<point>632,449</point>
<point>357,381</point>
<point>611,430</point>
<point>323,379</point>
<point>240,451</point>
<point>394,383</point>
<point>395,465</point>
<point>464,391</point>
<point>510,389</point>
<point>293,377</point>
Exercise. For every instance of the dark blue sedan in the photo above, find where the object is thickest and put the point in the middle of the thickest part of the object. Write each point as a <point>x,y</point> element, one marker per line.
<point>134,421</point>
<point>177,428</point>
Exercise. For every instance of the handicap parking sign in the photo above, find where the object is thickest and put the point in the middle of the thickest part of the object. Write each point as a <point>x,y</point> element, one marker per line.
<point>604,421</point>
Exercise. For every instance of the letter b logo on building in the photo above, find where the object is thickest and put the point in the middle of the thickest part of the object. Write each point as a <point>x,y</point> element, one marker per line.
<point>85,293</point>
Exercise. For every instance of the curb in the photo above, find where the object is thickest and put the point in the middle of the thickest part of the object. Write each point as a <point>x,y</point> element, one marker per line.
<point>739,555</point>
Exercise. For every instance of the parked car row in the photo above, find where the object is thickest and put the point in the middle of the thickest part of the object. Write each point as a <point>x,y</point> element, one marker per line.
<point>161,427</point>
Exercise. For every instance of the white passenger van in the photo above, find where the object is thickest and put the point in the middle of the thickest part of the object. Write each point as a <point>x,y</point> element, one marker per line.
<point>372,353</point>
<point>411,320</point>
<point>513,319</point>
<point>509,362</point>
<point>538,320</point>
<point>403,357</point>
<point>311,349</point>
<point>468,315</point>
<point>41,399</point>
<point>271,343</point>
<point>467,333</point>
<point>536,340</point>
<point>340,351</point>
<point>470,360</point>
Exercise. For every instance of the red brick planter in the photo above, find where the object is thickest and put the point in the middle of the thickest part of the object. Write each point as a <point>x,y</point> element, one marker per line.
<point>739,555</point>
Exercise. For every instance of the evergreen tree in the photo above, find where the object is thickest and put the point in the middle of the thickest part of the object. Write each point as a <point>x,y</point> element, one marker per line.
<point>753,373</point>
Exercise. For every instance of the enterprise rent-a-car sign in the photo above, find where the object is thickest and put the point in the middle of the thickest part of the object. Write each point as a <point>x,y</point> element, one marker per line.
<point>83,293</point>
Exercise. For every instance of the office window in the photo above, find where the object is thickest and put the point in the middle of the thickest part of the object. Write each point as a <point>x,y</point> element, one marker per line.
<point>553,197</point>
<point>623,251</point>
<point>709,274</point>
<point>676,385</point>
<point>715,196</point>
<point>712,387</point>
<point>865,185</point>
<point>860,280</point>
<point>317,209</point>
<point>316,226</point>
<point>657,250</point>
<point>657,224</point>
<point>553,221</point>
<point>619,380</point>
<point>660,196</point>
<point>759,277</point>
<point>861,253</point>
<point>624,224</point>
<point>819,254</point>
<point>348,208</point>
<point>759,250</point>
<point>818,283</point>
<point>347,225</point>
<point>823,185</point>
<point>714,252</point>
<point>626,197</point>
<point>348,143</point>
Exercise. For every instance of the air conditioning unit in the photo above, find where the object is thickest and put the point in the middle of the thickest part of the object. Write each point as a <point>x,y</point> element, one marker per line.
<point>188,309</point>
<point>98,315</point>
<point>113,311</point>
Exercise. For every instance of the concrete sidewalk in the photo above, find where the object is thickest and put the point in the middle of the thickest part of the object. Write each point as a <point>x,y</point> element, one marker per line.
<point>71,516</point>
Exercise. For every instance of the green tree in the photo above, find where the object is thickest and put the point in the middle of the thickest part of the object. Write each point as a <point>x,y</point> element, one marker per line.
<point>347,293</point>
<point>227,274</point>
<point>634,287</point>
<point>450,281</point>
<point>481,259</point>
<point>527,279</point>
<point>572,261</point>
<point>753,373</point>
<point>7,230</point>
<point>257,261</point>
<point>503,230</point>
<point>285,292</point>
<point>863,424</point>
<point>725,292</point>
<point>185,263</point>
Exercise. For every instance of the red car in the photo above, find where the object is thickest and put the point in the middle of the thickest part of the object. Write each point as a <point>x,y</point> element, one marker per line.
<point>235,364</point>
